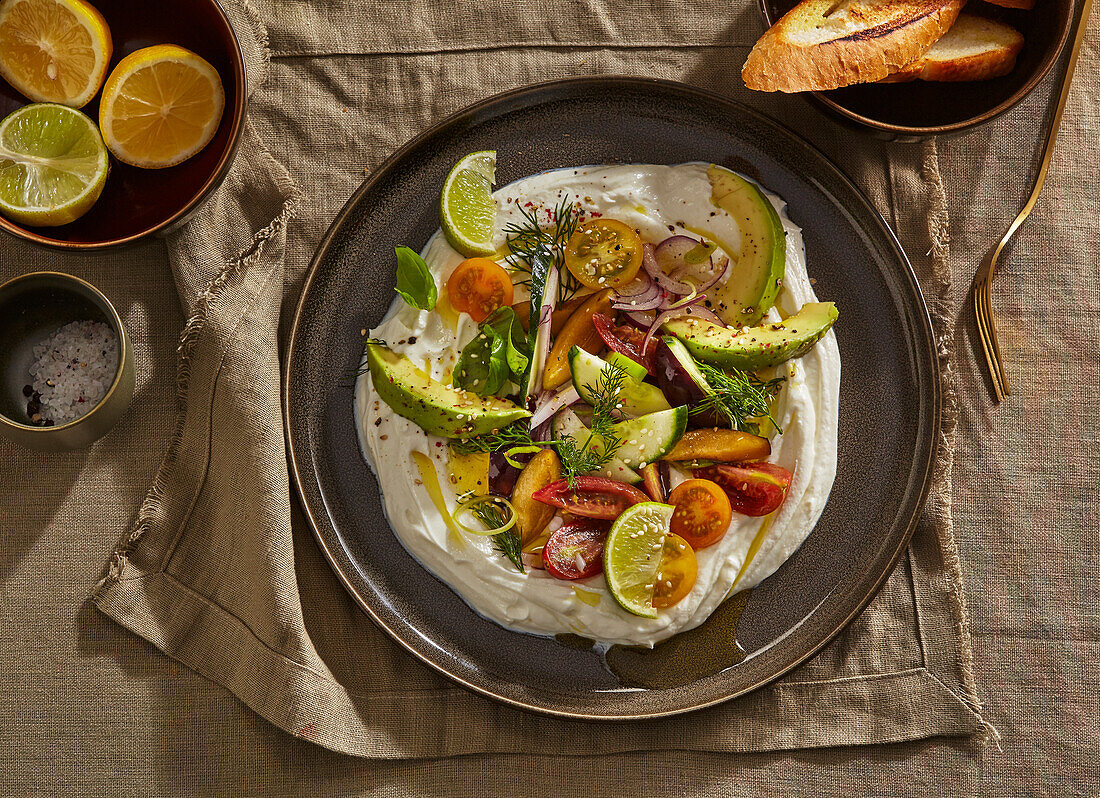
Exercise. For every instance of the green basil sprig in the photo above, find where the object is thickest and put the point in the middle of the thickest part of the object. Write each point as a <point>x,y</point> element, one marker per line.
<point>496,354</point>
<point>414,282</point>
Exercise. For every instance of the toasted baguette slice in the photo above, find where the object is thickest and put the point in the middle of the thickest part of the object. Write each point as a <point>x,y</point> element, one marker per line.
<point>1026,5</point>
<point>826,44</point>
<point>974,49</point>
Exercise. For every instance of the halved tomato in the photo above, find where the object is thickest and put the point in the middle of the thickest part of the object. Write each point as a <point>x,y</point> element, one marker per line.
<point>753,488</point>
<point>575,549</point>
<point>676,574</point>
<point>591,497</point>
<point>604,253</point>
<point>703,513</point>
<point>479,286</point>
<point>626,340</point>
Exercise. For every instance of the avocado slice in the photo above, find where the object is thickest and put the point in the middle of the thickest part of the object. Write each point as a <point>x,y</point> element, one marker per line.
<point>753,348</point>
<point>750,290</point>
<point>436,408</point>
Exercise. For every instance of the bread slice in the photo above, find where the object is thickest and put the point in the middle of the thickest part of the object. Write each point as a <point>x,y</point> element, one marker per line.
<point>826,44</point>
<point>1026,5</point>
<point>974,49</point>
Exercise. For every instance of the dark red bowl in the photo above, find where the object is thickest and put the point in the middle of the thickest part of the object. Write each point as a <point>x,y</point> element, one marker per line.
<point>139,202</point>
<point>911,111</point>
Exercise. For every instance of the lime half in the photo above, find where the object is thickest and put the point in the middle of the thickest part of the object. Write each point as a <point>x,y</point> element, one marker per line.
<point>467,210</point>
<point>52,165</point>
<point>632,555</point>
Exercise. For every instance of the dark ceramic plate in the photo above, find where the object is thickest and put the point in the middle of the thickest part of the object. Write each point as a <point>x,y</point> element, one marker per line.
<point>139,202</point>
<point>888,421</point>
<point>907,111</point>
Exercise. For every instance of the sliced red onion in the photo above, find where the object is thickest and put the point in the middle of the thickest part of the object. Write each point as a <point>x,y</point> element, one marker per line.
<point>722,271</point>
<point>649,263</point>
<point>691,299</point>
<point>639,286</point>
<point>670,252</point>
<point>548,403</point>
<point>642,319</point>
<point>691,310</point>
<point>652,303</point>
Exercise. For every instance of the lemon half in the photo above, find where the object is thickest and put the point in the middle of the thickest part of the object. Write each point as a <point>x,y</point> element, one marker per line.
<point>54,50</point>
<point>161,105</point>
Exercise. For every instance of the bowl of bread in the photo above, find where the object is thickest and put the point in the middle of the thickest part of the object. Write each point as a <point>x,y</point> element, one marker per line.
<point>909,69</point>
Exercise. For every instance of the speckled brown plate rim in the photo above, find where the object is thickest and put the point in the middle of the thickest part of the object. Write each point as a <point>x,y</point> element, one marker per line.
<point>874,574</point>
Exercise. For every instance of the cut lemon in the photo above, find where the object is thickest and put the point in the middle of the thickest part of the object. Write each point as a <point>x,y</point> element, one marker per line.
<point>54,50</point>
<point>467,211</point>
<point>161,105</point>
<point>632,555</point>
<point>52,165</point>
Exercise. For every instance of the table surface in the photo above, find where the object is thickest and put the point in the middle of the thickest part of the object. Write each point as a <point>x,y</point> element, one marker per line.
<point>132,721</point>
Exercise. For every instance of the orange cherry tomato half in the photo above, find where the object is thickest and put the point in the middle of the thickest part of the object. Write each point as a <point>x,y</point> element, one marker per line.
<point>753,488</point>
<point>703,513</point>
<point>676,574</point>
<point>604,253</point>
<point>479,286</point>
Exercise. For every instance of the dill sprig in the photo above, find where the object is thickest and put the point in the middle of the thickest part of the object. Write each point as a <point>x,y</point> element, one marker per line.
<point>351,375</point>
<point>603,437</point>
<point>576,457</point>
<point>738,396</point>
<point>508,542</point>
<point>529,240</point>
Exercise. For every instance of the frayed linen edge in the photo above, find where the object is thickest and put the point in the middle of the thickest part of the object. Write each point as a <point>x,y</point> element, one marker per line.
<point>940,310</point>
<point>151,507</point>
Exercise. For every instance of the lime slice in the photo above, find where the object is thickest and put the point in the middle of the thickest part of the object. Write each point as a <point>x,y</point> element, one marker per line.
<point>52,165</point>
<point>467,210</point>
<point>633,554</point>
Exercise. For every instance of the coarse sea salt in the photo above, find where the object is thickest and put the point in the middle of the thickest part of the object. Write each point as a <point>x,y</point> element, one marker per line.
<point>72,371</point>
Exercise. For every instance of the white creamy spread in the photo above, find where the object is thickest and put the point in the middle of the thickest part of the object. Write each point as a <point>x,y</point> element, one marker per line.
<point>659,201</point>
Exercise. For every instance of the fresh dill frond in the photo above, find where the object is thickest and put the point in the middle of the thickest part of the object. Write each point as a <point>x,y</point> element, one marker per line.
<point>508,542</point>
<point>738,396</point>
<point>509,545</point>
<point>530,240</point>
<point>515,434</point>
<point>351,375</point>
<point>603,437</point>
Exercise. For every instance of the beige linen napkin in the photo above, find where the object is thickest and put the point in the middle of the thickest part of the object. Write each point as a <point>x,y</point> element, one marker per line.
<point>219,570</point>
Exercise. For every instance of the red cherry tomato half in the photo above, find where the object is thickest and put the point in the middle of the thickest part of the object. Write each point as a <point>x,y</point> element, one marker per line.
<point>626,340</point>
<point>479,286</point>
<point>702,516</point>
<point>575,550</point>
<point>591,497</point>
<point>753,488</point>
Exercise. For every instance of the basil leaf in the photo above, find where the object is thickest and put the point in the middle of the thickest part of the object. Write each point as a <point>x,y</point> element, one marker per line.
<point>496,354</point>
<point>414,282</point>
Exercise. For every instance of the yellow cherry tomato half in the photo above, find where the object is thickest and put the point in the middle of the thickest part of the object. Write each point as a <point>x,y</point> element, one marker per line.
<point>479,286</point>
<point>604,253</point>
<point>676,574</point>
<point>703,512</point>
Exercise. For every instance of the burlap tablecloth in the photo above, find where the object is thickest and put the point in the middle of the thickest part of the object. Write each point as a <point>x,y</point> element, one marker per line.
<point>217,569</point>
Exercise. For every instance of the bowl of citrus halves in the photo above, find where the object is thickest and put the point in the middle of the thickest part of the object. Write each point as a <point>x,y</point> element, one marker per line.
<point>119,117</point>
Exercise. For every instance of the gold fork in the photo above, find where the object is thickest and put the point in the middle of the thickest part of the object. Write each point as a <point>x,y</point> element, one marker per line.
<point>983,280</point>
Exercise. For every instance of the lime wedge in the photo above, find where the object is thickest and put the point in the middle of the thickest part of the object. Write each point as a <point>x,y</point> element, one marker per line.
<point>633,554</point>
<point>52,165</point>
<point>467,210</point>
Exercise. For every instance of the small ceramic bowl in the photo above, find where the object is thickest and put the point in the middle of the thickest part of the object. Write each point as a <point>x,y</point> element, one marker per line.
<point>140,202</point>
<point>33,307</point>
<point>918,110</point>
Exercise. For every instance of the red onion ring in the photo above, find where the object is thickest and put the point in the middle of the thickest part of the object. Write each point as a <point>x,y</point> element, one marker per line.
<point>548,403</point>
<point>690,310</point>
<point>649,263</point>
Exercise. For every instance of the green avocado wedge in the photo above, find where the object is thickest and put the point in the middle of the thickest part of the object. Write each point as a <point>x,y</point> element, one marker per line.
<point>753,348</point>
<point>436,408</point>
<point>757,274</point>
